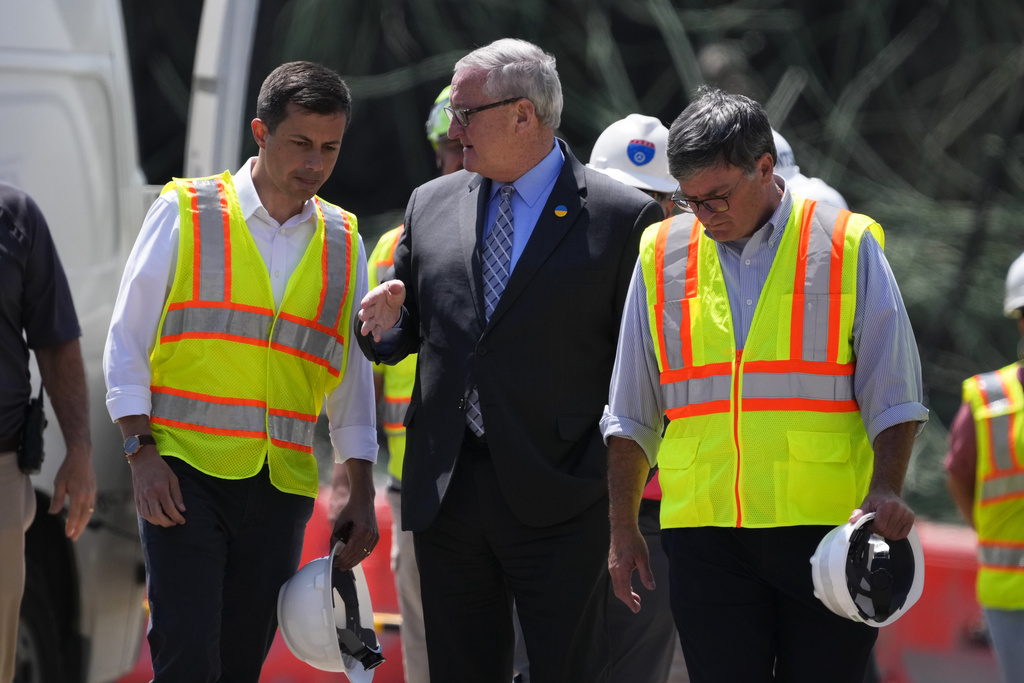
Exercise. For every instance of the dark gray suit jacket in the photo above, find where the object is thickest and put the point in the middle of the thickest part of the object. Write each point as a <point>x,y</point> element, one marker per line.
<point>543,362</point>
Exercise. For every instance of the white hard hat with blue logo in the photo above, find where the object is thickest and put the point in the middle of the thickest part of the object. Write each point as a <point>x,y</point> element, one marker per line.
<point>634,151</point>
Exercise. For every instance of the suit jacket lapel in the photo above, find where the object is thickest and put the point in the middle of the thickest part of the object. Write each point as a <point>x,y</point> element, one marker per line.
<point>470,228</point>
<point>568,194</point>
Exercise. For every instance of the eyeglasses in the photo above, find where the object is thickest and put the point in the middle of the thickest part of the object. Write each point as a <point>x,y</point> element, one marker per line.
<point>462,115</point>
<point>712,204</point>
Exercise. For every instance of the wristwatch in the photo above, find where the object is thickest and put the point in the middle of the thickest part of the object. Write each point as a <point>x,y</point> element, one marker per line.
<point>133,443</point>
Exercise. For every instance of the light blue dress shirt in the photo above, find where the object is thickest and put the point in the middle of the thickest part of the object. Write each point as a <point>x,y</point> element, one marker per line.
<point>887,376</point>
<point>532,191</point>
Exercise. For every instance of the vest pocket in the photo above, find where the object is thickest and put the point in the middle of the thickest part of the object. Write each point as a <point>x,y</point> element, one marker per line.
<point>684,503</point>
<point>821,486</point>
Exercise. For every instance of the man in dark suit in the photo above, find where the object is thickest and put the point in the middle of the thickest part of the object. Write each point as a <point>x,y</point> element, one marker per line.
<point>510,280</point>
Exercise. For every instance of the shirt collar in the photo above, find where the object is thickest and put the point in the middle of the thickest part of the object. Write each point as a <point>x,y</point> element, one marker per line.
<point>531,185</point>
<point>776,225</point>
<point>249,200</point>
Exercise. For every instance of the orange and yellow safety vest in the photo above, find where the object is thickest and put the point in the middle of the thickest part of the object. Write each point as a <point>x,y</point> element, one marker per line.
<point>997,404</point>
<point>769,435</point>
<point>236,382</point>
<point>399,378</point>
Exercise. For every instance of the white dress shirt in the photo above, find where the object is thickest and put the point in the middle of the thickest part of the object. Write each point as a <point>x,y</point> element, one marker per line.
<point>147,280</point>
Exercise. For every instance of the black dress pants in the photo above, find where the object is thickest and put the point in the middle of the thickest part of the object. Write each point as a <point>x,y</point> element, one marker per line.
<point>476,557</point>
<point>745,609</point>
<point>213,581</point>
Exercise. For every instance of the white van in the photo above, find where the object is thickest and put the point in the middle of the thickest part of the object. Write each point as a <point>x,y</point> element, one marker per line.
<point>68,137</point>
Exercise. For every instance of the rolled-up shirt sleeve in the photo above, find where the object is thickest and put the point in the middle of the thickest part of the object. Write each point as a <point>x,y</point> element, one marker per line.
<point>137,310</point>
<point>351,411</point>
<point>887,377</point>
<point>634,409</point>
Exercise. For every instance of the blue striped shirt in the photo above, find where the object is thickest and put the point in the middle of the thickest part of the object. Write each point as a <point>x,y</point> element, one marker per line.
<point>887,375</point>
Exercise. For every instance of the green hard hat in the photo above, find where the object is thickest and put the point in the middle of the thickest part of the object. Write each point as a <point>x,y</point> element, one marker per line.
<point>437,122</point>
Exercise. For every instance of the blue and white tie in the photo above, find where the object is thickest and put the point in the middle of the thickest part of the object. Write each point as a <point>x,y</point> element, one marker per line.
<point>497,257</point>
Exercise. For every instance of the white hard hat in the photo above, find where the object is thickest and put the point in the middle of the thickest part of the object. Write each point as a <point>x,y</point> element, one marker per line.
<point>864,577</point>
<point>786,164</point>
<point>634,150</point>
<point>326,619</point>
<point>1014,300</point>
<point>799,184</point>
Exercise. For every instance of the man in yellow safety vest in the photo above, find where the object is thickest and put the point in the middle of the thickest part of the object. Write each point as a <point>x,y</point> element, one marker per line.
<point>769,331</point>
<point>985,475</point>
<point>232,329</point>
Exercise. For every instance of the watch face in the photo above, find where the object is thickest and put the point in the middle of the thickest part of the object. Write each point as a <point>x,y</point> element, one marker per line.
<point>131,445</point>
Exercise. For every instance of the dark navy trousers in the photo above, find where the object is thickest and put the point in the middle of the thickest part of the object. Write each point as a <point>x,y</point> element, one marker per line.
<point>213,581</point>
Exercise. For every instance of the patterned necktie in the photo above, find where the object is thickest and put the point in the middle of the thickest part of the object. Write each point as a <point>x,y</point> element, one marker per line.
<point>497,257</point>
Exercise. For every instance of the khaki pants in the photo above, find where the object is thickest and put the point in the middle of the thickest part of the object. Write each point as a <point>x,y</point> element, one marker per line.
<point>17,508</point>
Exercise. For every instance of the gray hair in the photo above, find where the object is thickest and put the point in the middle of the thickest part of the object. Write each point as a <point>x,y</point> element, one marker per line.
<point>516,68</point>
<point>718,127</point>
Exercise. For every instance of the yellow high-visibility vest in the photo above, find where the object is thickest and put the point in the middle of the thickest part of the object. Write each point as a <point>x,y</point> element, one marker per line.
<point>399,378</point>
<point>234,381</point>
<point>770,435</point>
<point>997,404</point>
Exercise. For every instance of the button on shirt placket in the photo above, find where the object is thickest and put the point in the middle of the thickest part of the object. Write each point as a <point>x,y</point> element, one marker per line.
<point>497,261</point>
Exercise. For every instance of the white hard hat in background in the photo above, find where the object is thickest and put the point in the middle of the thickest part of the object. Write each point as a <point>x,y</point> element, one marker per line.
<point>634,151</point>
<point>864,577</point>
<point>786,164</point>
<point>326,619</point>
<point>799,184</point>
<point>1014,300</point>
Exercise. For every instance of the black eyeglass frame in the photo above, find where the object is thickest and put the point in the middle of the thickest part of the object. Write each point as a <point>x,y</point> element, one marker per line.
<point>684,203</point>
<point>461,116</point>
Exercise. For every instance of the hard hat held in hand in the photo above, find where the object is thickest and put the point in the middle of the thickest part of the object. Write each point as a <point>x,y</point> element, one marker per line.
<point>326,619</point>
<point>864,577</point>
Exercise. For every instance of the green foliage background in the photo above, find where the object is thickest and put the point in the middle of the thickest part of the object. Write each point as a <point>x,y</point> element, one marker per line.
<point>911,108</point>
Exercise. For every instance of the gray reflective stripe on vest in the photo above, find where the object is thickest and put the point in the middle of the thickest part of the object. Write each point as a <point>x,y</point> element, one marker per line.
<point>770,385</point>
<point>1001,557</point>
<point>394,412</point>
<point>798,385</point>
<point>677,250</point>
<point>816,283</point>
<point>1002,486</point>
<point>337,264</point>
<point>696,391</point>
<point>309,341</point>
<point>233,322</point>
<point>195,411</point>
<point>212,267</point>
<point>999,425</point>
<point>291,429</point>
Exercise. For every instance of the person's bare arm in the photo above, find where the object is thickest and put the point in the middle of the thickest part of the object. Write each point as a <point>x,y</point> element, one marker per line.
<point>893,517</point>
<point>627,473</point>
<point>63,376</point>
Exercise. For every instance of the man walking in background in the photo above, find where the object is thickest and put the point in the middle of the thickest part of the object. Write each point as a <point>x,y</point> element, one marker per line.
<point>37,313</point>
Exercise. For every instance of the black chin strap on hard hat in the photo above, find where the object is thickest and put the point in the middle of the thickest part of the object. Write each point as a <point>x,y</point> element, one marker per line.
<point>353,639</point>
<point>880,577</point>
<point>869,573</point>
